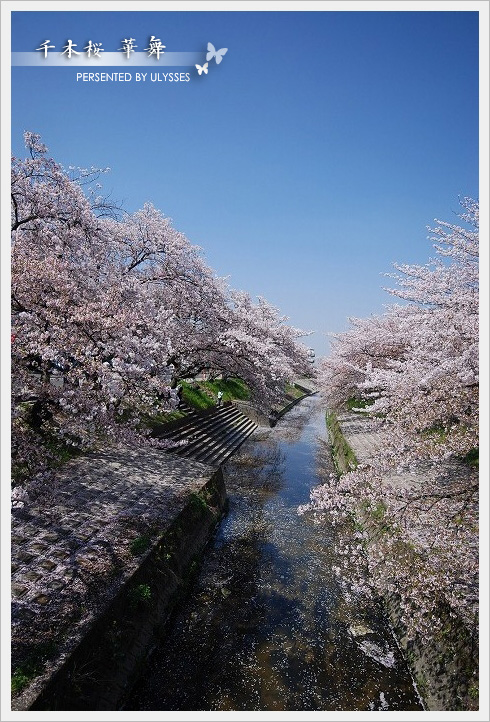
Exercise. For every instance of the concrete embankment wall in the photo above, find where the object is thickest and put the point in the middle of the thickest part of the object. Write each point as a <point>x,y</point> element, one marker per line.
<point>280,413</point>
<point>261,417</point>
<point>445,668</point>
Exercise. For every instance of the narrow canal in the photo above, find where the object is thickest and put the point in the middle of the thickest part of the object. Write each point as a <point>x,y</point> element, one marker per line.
<point>267,626</point>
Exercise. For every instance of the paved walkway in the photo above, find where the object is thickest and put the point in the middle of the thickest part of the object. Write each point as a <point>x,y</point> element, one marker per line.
<point>72,551</point>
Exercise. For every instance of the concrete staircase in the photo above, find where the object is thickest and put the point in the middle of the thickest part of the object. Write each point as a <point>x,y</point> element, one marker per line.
<point>210,436</point>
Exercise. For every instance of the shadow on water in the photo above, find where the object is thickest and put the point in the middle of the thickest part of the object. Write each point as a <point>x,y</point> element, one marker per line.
<point>267,626</point>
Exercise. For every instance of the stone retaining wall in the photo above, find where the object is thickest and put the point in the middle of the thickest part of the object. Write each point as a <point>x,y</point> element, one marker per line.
<point>445,669</point>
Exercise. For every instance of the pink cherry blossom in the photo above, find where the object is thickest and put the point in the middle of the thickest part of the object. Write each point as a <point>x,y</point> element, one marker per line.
<point>416,365</point>
<point>109,309</point>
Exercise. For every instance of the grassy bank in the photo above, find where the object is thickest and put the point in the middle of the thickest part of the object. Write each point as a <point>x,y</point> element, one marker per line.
<point>203,394</point>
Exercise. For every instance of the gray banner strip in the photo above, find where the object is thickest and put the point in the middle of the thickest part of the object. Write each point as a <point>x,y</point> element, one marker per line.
<point>119,59</point>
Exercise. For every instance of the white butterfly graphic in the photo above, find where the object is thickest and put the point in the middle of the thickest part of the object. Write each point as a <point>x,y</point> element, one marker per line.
<point>213,53</point>
<point>202,68</point>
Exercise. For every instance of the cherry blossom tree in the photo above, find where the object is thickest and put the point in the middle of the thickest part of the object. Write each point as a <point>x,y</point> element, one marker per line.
<point>80,304</point>
<point>416,368</point>
<point>252,341</point>
<point>110,309</point>
<point>207,325</point>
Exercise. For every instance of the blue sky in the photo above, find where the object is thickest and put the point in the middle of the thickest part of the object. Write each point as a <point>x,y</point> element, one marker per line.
<point>306,163</point>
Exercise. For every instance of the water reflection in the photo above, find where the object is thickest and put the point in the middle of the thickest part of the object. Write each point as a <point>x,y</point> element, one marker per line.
<point>267,626</point>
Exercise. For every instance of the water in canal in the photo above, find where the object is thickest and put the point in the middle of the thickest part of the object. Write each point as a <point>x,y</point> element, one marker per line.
<point>267,626</point>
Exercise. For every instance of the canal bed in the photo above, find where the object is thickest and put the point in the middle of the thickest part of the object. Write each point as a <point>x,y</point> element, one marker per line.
<point>267,625</point>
